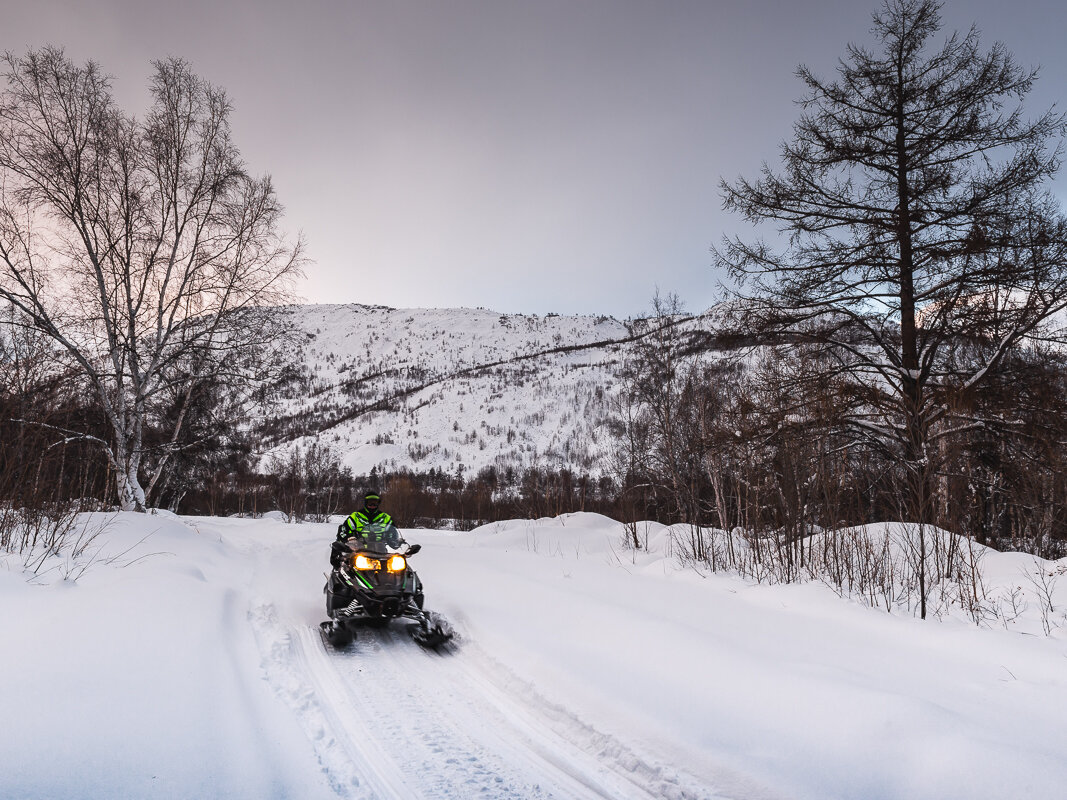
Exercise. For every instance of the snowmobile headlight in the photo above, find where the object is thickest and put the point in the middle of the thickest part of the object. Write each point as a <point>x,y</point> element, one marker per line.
<point>362,562</point>
<point>397,563</point>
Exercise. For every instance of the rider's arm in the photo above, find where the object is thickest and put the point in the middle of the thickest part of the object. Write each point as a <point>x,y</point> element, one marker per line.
<point>337,553</point>
<point>346,530</point>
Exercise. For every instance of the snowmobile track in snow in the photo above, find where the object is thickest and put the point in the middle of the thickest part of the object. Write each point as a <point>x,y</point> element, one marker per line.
<point>390,720</point>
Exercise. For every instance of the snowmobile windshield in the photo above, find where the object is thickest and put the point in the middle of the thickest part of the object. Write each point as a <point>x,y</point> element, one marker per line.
<point>375,536</point>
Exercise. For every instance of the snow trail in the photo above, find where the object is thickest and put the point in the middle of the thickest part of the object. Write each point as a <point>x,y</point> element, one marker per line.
<point>391,720</point>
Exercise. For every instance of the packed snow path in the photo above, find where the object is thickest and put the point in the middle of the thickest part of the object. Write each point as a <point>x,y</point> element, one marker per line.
<point>391,720</point>
<point>395,722</point>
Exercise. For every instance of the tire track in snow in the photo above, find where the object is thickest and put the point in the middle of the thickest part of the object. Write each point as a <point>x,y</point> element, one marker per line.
<point>641,777</point>
<point>397,722</point>
<point>418,737</point>
<point>281,665</point>
<point>342,707</point>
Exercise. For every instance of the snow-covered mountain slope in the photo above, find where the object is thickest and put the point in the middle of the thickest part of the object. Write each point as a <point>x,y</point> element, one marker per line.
<point>185,662</point>
<point>449,387</point>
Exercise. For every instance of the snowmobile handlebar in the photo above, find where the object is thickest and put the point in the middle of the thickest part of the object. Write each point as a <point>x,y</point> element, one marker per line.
<point>356,546</point>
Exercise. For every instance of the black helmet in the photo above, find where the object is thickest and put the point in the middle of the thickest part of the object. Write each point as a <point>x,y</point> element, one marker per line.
<point>371,499</point>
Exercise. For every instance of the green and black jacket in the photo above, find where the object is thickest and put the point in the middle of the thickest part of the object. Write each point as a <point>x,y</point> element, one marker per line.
<point>379,528</point>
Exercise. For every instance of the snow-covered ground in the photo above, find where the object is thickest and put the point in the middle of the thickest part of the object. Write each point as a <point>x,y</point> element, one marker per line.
<point>185,662</point>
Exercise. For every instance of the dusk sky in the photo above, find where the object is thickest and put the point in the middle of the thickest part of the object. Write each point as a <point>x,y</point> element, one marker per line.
<point>542,156</point>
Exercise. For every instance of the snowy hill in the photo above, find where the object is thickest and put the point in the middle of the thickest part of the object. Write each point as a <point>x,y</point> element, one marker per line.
<point>442,388</point>
<point>185,662</point>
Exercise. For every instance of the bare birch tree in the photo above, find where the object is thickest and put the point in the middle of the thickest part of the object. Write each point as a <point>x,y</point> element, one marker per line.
<point>144,248</point>
<point>918,243</point>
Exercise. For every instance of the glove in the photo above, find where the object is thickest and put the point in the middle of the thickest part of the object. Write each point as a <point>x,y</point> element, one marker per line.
<point>337,550</point>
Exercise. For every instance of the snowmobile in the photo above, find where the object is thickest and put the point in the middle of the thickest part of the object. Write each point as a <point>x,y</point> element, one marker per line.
<point>370,586</point>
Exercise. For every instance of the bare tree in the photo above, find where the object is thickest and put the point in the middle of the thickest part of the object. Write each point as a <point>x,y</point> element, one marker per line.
<point>142,247</point>
<point>654,377</point>
<point>918,245</point>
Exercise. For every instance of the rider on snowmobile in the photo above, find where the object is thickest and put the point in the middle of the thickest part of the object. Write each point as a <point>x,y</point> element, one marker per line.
<point>371,586</point>
<point>369,524</point>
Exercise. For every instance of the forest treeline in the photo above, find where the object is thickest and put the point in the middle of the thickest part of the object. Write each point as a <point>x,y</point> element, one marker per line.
<point>739,438</point>
<point>54,435</point>
<point>763,441</point>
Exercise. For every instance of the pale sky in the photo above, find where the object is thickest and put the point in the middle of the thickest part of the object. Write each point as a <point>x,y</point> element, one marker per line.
<point>541,156</point>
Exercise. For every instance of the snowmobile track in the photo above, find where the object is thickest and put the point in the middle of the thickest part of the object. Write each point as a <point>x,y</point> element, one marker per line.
<point>416,725</point>
<point>390,720</point>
